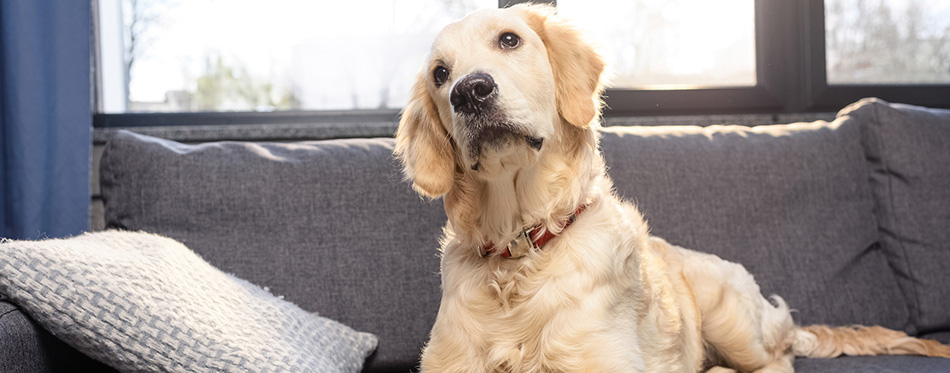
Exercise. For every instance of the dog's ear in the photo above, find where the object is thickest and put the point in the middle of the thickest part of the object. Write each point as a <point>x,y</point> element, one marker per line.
<point>423,146</point>
<point>576,65</point>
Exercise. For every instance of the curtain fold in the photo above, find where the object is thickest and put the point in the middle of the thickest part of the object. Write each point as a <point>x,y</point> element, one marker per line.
<point>45,118</point>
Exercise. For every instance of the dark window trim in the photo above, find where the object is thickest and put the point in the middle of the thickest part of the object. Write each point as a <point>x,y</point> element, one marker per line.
<point>622,103</point>
<point>790,78</point>
<point>507,3</point>
<point>232,118</point>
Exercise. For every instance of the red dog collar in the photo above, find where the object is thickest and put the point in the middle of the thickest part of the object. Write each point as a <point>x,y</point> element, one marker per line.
<point>531,238</point>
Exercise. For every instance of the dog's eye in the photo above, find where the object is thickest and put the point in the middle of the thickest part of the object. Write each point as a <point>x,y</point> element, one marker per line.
<point>509,40</point>
<point>440,75</point>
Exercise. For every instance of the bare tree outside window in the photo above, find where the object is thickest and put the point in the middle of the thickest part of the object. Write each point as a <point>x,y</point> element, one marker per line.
<point>142,20</point>
<point>887,41</point>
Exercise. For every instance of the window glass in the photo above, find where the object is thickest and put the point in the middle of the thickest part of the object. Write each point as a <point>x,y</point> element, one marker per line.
<point>887,41</point>
<point>244,55</point>
<point>671,43</point>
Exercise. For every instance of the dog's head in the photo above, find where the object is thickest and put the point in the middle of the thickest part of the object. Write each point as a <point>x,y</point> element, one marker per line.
<point>499,87</point>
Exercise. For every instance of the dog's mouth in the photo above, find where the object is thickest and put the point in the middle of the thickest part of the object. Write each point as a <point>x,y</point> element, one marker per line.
<point>485,126</point>
<point>532,142</point>
<point>490,136</point>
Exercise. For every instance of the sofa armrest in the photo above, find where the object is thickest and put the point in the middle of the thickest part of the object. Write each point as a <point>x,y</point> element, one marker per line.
<point>27,347</point>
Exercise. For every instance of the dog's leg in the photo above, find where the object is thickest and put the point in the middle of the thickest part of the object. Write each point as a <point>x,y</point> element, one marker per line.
<point>783,365</point>
<point>451,349</point>
<point>740,326</point>
<point>439,356</point>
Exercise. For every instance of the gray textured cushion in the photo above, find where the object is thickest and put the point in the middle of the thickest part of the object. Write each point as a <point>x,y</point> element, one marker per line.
<point>19,343</point>
<point>908,151</point>
<point>873,364</point>
<point>790,202</point>
<point>942,337</point>
<point>28,348</point>
<point>328,224</point>
<point>141,302</point>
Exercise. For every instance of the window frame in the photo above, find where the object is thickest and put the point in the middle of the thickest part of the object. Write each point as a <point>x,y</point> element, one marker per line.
<point>790,78</point>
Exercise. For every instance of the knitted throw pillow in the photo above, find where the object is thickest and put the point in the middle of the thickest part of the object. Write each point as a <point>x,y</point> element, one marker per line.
<point>141,302</point>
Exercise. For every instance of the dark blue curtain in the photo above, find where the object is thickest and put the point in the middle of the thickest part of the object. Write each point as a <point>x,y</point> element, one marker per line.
<point>45,117</point>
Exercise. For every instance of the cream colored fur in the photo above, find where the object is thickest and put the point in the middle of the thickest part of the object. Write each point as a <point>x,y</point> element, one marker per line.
<point>604,296</point>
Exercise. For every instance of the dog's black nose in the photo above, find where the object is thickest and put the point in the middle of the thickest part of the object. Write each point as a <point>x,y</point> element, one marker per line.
<point>473,93</point>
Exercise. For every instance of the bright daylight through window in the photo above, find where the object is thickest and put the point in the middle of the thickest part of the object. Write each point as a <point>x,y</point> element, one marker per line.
<point>671,44</point>
<point>243,55</point>
<point>246,55</point>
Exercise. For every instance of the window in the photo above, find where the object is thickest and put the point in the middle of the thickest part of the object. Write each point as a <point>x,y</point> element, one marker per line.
<point>297,60</point>
<point>891,52</point>
<point>654,44</point>
<point>244,55</point>
<point>887,41</point>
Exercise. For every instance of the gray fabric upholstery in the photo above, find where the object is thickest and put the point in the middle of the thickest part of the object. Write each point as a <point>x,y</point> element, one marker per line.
<point>329,225</point>
<point>28,348</point>
<point>942,337</point>
<point>908,151</point>
<point>19,344</point>
<point>872,364</point>
<point>790,202</point>
<point>354,243</point>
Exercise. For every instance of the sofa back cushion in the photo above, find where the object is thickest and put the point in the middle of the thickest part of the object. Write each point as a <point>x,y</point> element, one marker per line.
<point>330,225</point>
<point>908,152</point>
<point>789,202</point>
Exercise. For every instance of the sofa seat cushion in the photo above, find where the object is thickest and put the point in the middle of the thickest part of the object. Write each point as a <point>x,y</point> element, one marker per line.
<point>330,225</point>
<point>789,202</point>
<point>27,347</point>
<point>908,152</point>
<point>141,302</point>
<point>873,364</point>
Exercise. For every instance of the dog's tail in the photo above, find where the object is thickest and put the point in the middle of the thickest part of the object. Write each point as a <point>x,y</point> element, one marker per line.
<point>826,342</point>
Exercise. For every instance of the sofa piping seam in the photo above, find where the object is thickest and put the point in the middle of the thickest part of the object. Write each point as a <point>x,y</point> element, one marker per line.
<point>14,309</point>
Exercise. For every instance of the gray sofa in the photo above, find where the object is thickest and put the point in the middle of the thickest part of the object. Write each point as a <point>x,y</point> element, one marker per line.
<point>848,220</point>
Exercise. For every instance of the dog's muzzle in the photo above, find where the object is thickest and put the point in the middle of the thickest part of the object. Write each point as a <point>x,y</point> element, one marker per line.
<point>473,99</point>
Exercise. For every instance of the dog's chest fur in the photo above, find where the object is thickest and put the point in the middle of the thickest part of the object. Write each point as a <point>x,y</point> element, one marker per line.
<point>560,309</point>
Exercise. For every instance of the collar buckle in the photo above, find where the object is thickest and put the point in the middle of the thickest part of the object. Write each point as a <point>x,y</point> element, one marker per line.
<point>529,239</point>
<point>521,245</point>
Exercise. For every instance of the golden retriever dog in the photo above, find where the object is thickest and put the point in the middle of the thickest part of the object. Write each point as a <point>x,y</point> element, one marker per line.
<point>544,268</point>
